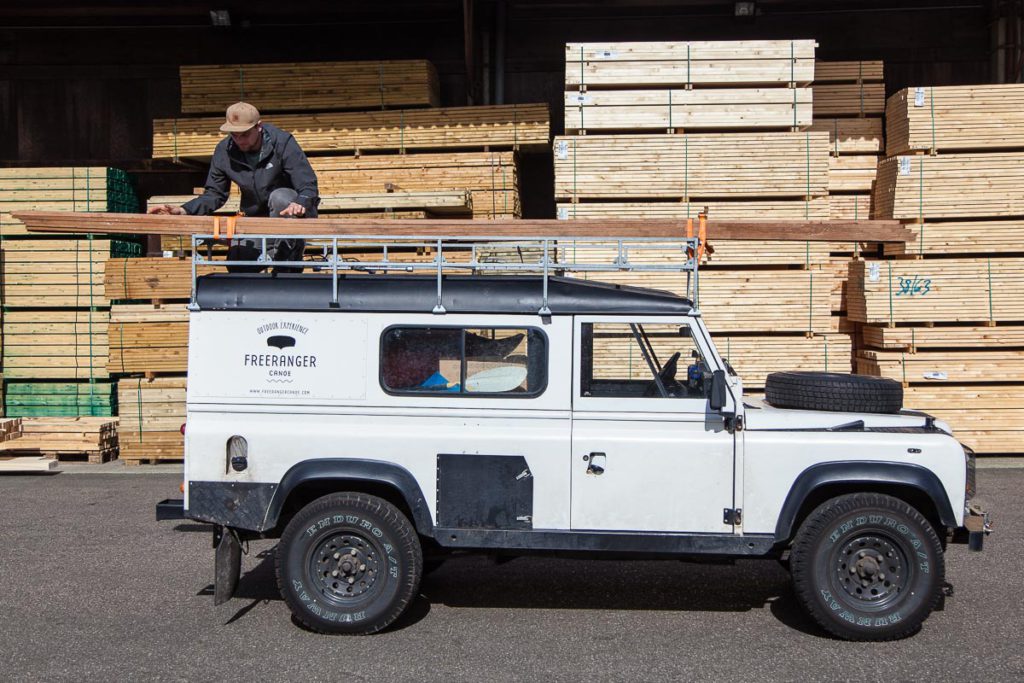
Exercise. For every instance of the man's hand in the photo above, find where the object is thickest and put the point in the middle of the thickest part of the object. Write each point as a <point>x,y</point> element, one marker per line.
<point>293,209</point>
<point>167,209</point>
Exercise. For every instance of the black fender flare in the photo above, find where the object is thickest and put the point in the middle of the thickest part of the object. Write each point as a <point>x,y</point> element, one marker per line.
<point>369,471</point>
<point>867,473</point>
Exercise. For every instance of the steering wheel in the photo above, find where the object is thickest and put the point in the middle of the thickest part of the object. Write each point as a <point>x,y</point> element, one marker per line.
<point>668,378</point>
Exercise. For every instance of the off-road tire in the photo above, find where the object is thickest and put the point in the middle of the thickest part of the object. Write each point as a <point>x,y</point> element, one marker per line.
<point>833,391</point>
<point>374,551</point>
<point>867,566</point>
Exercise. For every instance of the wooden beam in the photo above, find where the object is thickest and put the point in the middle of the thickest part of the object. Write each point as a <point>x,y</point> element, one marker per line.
<point>141,224</point>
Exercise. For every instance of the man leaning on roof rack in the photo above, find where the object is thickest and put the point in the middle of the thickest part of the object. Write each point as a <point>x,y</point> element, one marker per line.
<point>273,174</point>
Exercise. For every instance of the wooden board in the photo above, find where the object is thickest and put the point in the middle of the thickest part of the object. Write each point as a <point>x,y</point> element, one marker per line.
<point>506,126</point>
<point>955,118</point>
<point>963,366</point>
<point>937,290</point>
<point>689,63</point>
<point>799,230</point>
<point>27,463</point>
<point>969,185</point>
<point>309,86</point>
<point>71,188</point>
<point>852,135</point>
<point>678,110</point>
<point>33,399</point>
<point>55,344</point>
<point>708,165</point>
<point>943,337</point>
<point>988,418</point>
<point>438,202</point>
<point>152,412</point>
<point>944,238</point>
<point>148,338</point>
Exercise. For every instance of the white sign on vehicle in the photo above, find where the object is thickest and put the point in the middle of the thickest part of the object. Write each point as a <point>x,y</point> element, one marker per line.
<point>278,356</point>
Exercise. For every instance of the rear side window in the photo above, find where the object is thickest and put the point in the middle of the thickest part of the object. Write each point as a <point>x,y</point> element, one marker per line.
<point>462,361</point>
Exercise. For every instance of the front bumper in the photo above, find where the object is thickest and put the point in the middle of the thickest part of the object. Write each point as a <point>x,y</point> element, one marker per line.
<point>977,525</point>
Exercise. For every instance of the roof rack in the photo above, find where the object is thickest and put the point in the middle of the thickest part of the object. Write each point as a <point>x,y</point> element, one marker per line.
<point>446,255</point>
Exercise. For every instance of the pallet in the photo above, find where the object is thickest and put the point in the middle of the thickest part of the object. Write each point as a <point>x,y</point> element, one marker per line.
<point>988,418</point>
<point>678,110</point>
<point>955,118</point>
<point>310,86</point>
<point>962,366</point>
<point>70,188</point>
<point>967,185</point>
<point>437,202</point>
<point>987,290</point>
<point>148,338</point>
<point>711,165</point>
<point>511,126</point>
<point>733,62</point>
<point>55,344</point>
<point>491,178</point>
<point>152,412</point>
<point>942,238</point>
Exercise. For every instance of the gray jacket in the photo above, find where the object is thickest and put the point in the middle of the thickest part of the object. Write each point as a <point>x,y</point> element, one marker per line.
<point>282,163</point>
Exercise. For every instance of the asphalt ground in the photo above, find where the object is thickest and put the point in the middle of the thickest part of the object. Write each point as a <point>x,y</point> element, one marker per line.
<point>94,589</point>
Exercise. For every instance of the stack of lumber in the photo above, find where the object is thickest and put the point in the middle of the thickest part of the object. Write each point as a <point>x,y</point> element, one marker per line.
<point>758,160</point>
<point>848,89</point>
<point>87,188</point>
<point>949,324</point>
<point>56,344</point>
<point>10,428</point>
<point>509,126</point>
<point>13,461</point>
<point>93,439</point>
<point>156,279</point>
<point>309,86</point>
<point>151,414</point>
<point>148,338</point>
<point>56,398</point>
<point>758,84</point>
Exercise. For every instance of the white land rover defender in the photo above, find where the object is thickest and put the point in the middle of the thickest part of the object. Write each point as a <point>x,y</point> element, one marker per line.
<point>377,422</point>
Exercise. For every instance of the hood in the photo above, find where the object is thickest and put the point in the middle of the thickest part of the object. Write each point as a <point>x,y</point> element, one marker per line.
<point>758,415</point>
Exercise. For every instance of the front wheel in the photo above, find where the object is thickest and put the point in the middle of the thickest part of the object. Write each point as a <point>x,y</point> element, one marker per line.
<point>348,563</point>
<point>867,566</point>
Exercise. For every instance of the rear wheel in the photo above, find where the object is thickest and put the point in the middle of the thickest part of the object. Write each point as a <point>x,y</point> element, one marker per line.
<point>867,566</point>
<point>348,563</point>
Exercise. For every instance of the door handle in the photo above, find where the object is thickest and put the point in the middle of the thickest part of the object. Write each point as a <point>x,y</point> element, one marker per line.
<point>595,463</point>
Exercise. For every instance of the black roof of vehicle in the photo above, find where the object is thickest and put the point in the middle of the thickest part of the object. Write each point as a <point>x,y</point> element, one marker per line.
<point>418,294</point>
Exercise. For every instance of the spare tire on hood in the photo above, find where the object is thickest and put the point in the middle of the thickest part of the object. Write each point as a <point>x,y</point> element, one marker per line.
<point>833,391</point>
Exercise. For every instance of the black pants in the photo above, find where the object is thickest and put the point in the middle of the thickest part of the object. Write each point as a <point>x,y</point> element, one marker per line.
<point>277,250</point>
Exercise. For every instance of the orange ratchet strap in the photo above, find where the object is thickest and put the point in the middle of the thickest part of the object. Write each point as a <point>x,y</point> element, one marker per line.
<point>229,227</point>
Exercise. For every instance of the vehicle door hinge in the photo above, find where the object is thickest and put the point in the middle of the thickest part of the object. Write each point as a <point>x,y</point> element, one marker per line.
<point>732,516</point>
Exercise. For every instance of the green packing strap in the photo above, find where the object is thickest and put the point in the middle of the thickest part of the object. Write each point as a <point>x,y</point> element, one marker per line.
<point>689,83</point>
<point>810,301</point>
<point>931,105</point>
<point>575,188</point>
<point>670,107</point>
<point>124,282</point>
<point>686,170</point>
<point>504,189</point>
<point>903,365</point>
<point>401,130</point>
<point>860,83</point>
<point>835,137</point>
<point>515,126</point>
<point>991,310</point>
<point>494,201</point>
<point>792,77</point>
<point>121,344</point>
<point>920,205</point>
<point>138,402</point>
<point>825,337</point>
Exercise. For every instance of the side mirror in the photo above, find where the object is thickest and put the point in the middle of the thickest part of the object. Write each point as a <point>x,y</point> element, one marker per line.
<point>719,391</point>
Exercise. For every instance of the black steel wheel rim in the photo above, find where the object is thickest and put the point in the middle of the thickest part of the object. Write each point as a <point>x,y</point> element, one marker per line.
<point>345,568</point>
<point>871,571</point>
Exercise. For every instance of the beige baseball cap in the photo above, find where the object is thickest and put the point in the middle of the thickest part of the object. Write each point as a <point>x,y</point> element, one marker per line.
<point>241,116</point>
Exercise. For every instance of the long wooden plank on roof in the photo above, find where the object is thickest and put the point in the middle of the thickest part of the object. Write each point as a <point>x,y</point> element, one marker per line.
<point>827,231</point>
<point>506,126</point>
<point>683,63</point>
<point>309,86</point>
<point>955,118</point>
<point>699,165</point>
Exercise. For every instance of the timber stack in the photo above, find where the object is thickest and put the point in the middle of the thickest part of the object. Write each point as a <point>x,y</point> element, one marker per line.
<point>724,128</point>
<point>944,315</point>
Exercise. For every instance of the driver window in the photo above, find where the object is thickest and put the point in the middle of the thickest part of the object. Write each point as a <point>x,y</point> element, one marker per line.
<point>622,360</point>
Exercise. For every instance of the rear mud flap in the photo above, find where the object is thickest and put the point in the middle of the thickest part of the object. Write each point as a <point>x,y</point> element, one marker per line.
<point>227,564</point>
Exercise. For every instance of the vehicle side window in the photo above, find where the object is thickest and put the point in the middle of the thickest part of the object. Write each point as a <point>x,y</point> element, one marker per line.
<point>455,361</point>
<point>623,360</point>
